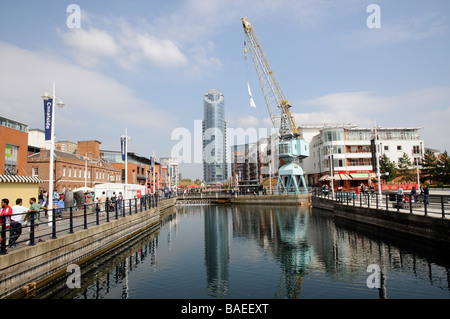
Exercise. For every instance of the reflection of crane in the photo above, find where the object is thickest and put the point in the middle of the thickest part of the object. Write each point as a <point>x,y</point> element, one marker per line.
<point>291,146</point>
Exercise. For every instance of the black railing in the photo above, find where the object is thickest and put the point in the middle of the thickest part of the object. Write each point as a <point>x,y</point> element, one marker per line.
<point>417,204</point>
<point>70,219</point>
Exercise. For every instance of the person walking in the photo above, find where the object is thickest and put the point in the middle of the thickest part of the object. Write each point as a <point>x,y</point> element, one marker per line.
<point>17,218</point>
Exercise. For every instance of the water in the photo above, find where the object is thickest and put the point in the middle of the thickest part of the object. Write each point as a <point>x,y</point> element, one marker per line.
<point>262,252</point>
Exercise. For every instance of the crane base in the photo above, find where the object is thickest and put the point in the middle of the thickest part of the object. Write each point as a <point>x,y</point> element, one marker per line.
<point>291,180</point>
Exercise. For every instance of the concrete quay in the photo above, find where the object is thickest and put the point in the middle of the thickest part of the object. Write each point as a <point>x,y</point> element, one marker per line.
<point>49,258</point>
<point>433,229</point>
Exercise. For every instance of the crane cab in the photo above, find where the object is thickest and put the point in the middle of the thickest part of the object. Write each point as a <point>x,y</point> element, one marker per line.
<point>293,148</point>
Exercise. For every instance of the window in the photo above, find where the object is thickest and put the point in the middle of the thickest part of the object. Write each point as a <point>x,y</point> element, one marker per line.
<point>416,149</point>
<point>386,147</point>
<point>64,171</point>
<point>35,171</point>
<point>70,171</point>
<point>399,147</point>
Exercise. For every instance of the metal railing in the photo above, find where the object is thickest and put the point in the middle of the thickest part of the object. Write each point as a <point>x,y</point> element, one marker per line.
<point>413,204</point>
<point>70,219</point>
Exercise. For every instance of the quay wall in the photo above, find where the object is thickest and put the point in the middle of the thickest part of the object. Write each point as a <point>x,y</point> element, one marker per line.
<point>301,200</point>
<point>48,260</point>
<point>434,230</point>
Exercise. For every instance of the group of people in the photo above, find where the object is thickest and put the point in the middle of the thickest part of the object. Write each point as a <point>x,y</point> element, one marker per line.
<point>424,193</point>
<point>17,216</point>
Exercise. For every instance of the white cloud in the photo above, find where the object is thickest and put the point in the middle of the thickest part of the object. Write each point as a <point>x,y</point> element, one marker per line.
<point>96,106</point>
<point>88,46</point>
<point>428,108</point>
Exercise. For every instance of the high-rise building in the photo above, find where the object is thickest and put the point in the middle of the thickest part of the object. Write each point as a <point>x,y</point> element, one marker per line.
<point>214,138</point>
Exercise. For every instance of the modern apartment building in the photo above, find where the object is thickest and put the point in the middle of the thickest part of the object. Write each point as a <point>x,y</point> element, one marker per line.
<point>171,164</point>
<point>350,148</point>
<point>214,136</point>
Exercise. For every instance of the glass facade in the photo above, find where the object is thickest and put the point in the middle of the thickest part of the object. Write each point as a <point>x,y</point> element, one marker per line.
<point>214,137</point>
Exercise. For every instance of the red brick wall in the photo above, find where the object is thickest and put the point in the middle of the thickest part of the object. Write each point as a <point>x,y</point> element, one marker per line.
<point>18,138</point>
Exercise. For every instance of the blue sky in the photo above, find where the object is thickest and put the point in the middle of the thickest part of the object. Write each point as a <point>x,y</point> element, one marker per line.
<point>145,66</point>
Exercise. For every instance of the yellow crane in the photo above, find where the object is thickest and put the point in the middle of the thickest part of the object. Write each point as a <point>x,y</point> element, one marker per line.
<point>291,147</point>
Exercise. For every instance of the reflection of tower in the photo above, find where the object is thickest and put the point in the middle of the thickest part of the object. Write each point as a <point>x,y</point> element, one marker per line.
<point>217,250</point>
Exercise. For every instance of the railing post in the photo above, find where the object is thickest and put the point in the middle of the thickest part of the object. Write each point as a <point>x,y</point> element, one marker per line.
<point>107,206</point>
<point>387,201</point>
<point>410,204</point>
<point>97,213</point>
<point>425,207</point>
<point>53,224</point>
<point>117,209</point>
<point>135,205</point>
<point>3,250</point>
<point>129,201</point>
<point>85,217</point>
<point>442,206</point>
<point>32,230</point>
<point>376,199</point>
<point>71,219</point>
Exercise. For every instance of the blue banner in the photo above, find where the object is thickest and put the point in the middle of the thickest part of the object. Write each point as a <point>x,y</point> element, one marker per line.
<point>152,159</point>
<point>48,106</point>
<point>123,140</point>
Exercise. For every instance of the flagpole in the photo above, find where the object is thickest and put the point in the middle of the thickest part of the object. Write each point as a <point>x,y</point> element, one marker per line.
<point>153,171</point>
<point>126,164</point>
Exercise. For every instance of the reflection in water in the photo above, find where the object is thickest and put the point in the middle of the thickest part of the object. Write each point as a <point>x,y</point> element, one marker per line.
<point>263,252</point>
<point>217,250</point>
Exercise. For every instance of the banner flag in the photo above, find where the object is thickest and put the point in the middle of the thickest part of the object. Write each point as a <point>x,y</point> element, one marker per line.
<point>252,102</point>
<point>152,159</point>
<point>123,147</point>
<point>48,106</point>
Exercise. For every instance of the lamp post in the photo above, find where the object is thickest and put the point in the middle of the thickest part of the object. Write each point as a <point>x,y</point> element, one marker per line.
<point>60,104</point>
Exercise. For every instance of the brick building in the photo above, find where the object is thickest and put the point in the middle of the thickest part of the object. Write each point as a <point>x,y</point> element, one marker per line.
<point>13,147</point>
<point>72,171</point>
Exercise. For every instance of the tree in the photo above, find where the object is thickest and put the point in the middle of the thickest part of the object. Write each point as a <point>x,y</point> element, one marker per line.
<point>386,166</point>
<point>443,168</point>
<point>404,169</point>
<point>429,165</point>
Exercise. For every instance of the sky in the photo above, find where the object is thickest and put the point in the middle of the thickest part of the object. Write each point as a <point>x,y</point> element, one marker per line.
<point>144,67</point>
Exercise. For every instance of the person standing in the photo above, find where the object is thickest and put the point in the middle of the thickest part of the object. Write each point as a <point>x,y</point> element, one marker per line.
<point>426,195</point>
<point>400,195</point>
<point>17,218</point>
<point>33,212</point>
<point>102,202</point>
<point>5,211</point>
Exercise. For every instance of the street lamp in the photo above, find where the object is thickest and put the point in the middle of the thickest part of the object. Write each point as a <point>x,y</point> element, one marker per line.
<point>125,138</point>
<point>60,104</point>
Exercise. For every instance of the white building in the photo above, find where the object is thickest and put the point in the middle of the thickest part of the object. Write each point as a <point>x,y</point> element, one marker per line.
<point>171,163</point>
<point>350,148</point>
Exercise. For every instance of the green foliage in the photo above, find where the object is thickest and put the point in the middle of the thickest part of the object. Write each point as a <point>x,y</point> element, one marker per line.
<point>405,171</point>
<point>443,168</point>
<point>386,166</point>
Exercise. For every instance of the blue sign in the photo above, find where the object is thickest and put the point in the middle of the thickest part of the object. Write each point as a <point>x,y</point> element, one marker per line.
<point>123,147</point>
<point>48,106</point>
